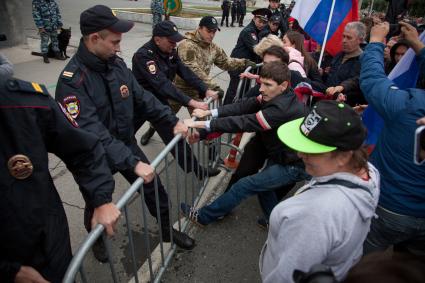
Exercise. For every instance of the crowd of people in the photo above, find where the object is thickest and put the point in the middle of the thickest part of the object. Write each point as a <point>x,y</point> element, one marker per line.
<point>306,116</point>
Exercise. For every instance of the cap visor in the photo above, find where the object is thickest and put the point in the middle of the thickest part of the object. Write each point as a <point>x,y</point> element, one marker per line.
<point>290,134</point>
<point>121,26</point>
<point>176,37</point>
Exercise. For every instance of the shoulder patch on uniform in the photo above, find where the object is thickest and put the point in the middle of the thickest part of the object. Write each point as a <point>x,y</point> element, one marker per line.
<point>69,72</point>
<point>72,105</point>
<point>68,116</point>
<point>190,55</point>
<point>16,85</point>
<point>151,67</point>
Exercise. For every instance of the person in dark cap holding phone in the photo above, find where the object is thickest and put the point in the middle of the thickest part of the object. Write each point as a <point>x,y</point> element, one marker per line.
<point>101,94</point>
<point>156,64</point>
<point>248,38</point>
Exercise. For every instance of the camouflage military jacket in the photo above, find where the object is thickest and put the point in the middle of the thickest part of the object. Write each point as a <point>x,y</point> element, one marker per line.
<point>46,14</point>
<point>200,57</point>
<point>157,6</point>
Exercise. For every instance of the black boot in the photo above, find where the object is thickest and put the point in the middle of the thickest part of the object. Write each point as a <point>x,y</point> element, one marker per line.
<point>147,136</point>
<point>179,238</point>
<point>45,58</point>
<point>99,251</point>
<point>59,56</point>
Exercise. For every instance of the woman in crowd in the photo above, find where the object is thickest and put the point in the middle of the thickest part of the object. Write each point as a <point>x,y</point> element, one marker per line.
<point>293,39</point>
<point>328,219</point>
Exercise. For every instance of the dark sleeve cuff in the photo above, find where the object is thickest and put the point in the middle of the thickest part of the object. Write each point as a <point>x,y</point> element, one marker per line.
<point>8,271</point>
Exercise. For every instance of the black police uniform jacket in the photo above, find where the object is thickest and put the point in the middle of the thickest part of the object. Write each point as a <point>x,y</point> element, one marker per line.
<point>105,99</point>
<point>283,15</point>
<point>34,227</point>
<point>155,71</point>
<point>247,39</point>
<point>255,115</point>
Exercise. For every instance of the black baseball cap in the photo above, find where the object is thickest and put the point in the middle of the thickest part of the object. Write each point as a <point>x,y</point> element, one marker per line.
<point>167,29</point>
<point>330,125</point>
<point>262,13</point>
<point>101,17</point>
<point>209,22</point>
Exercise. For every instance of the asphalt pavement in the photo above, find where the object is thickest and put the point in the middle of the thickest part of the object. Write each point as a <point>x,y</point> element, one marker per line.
<point>226,251</point>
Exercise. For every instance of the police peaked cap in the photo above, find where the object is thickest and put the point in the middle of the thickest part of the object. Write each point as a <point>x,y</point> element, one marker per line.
<point>262,13</point>
<point>101,17</point>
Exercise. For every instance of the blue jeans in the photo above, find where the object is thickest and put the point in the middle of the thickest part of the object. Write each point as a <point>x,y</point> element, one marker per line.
<point>263,183</point>
<point>406,232</point>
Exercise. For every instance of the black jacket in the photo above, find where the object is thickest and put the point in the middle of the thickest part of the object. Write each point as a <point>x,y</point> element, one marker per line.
<point>155,71</point>
<point>111,104</point>
<point>31,212</point>
<point>283,26</point>
<point>247,39</point>
<point>264,118</point>
<point>347,75</point>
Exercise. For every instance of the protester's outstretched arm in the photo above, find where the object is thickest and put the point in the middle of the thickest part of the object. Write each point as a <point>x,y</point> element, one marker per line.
<point>380,92</point>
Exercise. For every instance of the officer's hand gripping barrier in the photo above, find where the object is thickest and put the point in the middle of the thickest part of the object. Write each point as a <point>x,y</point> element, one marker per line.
<point>122,204</point>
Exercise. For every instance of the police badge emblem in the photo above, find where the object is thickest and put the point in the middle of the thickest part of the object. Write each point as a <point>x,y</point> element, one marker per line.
<point>68,116</point>
<point>151,67</point>
<point>20,166</point>
<point>72,105</point>
<point>253,36</point>
<point>124,91</point>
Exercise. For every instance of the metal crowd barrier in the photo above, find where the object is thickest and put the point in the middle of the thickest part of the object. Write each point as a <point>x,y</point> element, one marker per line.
<point>244,86</point>
<point>188,189</point>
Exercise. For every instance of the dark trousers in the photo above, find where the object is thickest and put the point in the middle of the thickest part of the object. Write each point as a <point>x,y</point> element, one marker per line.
<point>232,88</point>
<point>52,255</point>
<point>148,190</point>
<point>166,134</point>
<point>225,17</point>
<point>235,16</point>
<point>252,160</point>
<point>241,19</point>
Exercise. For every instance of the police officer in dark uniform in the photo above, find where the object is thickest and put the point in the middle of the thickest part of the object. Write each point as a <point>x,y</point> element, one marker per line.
<point>156,64</point>
<point>271,28</point>
<point>102,95</point>
<point>242,12</point>
<point>34,238</point>
<point>244,48</point>
<point>278,9</point>
<point>235,12</point>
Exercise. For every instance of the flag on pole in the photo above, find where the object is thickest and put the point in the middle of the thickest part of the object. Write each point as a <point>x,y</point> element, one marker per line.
<point>405,75</point>
<point>313,17</point>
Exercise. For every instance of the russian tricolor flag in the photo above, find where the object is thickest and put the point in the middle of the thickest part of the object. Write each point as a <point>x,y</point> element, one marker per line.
<point>313,17</point>
<point>405,75</point>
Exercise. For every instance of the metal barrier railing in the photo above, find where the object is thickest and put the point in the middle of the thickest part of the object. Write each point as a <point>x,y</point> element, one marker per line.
<point>195,184</point>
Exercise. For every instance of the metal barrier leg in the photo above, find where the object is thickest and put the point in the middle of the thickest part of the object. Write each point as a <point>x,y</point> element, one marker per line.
<point>83,274</point>
<point>130,239</point>
<point>147,241</point>
<point>109,253</point>
<point>178,191</point>
<point>158,217</point>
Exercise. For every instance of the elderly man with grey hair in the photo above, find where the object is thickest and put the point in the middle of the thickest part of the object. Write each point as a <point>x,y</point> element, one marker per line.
<point>343,79</point>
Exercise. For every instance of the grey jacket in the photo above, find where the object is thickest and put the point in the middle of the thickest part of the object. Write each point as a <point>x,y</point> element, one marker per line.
<point>323,223</point>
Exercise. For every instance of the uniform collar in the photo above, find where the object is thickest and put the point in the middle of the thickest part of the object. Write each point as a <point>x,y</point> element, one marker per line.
<point>92,61</point>
<point>156,50</point>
